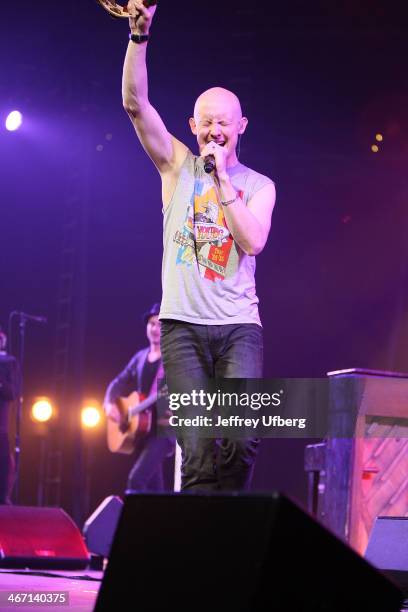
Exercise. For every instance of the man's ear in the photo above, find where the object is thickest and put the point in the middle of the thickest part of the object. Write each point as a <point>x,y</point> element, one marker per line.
<point>243,122</point>
<point>193,125</point>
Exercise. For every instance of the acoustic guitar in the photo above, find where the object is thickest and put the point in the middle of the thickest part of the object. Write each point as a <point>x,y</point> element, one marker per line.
<point>135,423</point>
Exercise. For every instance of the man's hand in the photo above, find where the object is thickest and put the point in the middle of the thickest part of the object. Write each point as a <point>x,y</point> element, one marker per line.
<point>140,17</point>
<point>220,156</point>
<point>112,412</point>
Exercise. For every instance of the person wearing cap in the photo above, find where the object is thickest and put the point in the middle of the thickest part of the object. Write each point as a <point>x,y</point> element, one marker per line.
<point>8,393</point>
<point>140,375</point>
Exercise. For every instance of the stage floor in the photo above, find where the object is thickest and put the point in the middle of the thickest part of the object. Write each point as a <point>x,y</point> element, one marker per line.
<point>81,587</point>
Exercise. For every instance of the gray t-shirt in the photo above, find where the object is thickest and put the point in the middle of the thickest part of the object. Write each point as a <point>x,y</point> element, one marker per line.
<point>206,277</point>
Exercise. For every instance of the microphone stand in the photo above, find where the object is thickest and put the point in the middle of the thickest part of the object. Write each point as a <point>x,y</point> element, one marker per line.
<point>19,410</point>
<point>23,318</point>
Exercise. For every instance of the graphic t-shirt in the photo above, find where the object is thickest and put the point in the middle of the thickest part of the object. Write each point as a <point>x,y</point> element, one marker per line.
<point>206,276</point>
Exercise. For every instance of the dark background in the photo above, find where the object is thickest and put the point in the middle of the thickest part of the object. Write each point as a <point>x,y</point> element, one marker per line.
<point>317,80</point>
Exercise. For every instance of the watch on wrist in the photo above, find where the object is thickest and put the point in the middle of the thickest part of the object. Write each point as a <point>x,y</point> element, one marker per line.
<point>139,38</point>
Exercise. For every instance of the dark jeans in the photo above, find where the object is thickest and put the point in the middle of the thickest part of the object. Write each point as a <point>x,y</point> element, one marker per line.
<point>147,472</point>
<point>215,351</point>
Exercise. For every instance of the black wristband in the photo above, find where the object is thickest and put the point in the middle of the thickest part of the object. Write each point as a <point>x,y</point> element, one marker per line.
<point>139,38</point>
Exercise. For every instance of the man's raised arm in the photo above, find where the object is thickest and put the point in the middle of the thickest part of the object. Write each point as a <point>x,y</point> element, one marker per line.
<point>166,152</point>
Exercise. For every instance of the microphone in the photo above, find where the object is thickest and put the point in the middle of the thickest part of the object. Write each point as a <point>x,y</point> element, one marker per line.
<point>209,163</point>
<point>35,318</point>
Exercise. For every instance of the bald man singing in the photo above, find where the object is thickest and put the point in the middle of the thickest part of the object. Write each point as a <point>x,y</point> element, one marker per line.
<point>217,217</point>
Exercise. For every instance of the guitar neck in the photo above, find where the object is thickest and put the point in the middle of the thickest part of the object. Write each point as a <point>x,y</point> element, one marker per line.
<point>149,401</point>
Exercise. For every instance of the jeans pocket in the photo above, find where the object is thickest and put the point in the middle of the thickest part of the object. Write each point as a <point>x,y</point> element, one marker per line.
<point>167,326</point>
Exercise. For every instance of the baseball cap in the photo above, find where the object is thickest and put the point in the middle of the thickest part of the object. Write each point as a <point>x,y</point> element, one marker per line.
<point>154,311</point>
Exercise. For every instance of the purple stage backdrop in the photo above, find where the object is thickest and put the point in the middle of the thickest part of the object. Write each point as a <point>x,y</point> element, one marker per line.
<point>317,81</point>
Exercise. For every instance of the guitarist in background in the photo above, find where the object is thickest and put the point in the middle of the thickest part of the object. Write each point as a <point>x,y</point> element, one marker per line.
<point>140,375</point>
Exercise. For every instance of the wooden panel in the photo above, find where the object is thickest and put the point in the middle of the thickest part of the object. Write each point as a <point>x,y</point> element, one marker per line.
<point>366,470</point>
<point>381,483</point>
<point>385,397</point>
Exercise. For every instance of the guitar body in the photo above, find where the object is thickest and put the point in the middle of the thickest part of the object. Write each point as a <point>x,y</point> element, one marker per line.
<point>125,436</point>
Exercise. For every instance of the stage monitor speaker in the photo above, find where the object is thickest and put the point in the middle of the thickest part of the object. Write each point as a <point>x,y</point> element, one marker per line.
<point>100,527</point>
<point>387,548</point>
<point>236,553</point>
<point>40,538</point>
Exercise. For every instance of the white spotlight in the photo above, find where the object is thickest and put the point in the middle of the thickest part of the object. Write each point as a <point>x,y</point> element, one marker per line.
<point>14,121</point>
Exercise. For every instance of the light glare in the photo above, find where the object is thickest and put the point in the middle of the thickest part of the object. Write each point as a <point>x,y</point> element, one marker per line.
<point>42,410</point>
<point>14,121</point>
<point>90,416</point>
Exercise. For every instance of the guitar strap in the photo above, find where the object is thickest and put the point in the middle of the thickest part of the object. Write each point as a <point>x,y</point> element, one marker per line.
<point>141,362</point>
<point>159,375</point>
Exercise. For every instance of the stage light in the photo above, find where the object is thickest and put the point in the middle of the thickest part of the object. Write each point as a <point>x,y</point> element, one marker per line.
<point>379,137</point>
<point>374,149</point>
<point>90,416</point>
<point>42,410</point>
<point>14,121</point>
